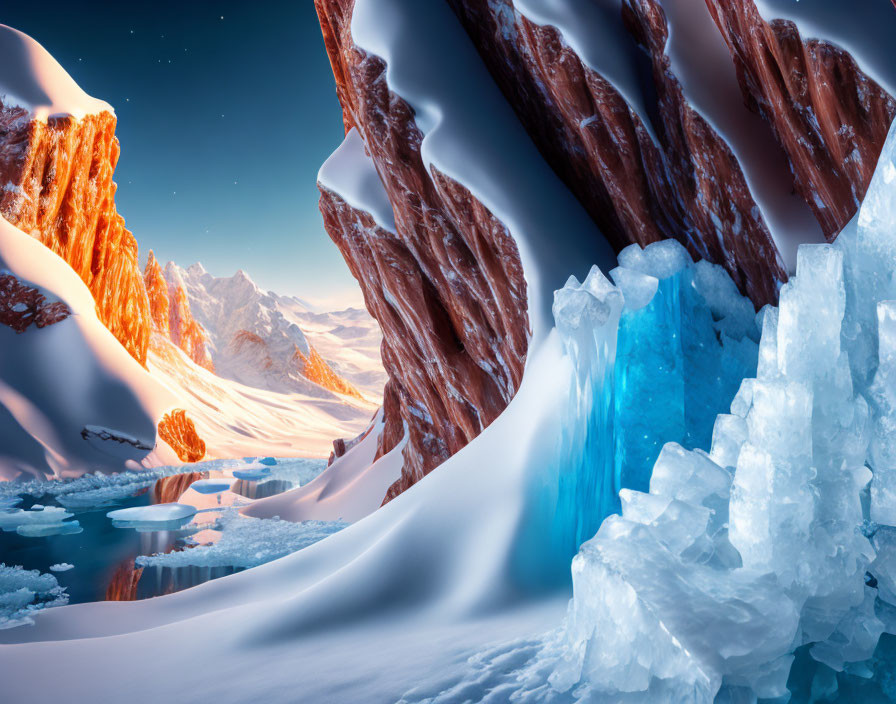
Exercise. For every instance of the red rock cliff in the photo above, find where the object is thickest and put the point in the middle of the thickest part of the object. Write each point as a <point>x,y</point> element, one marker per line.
<point>446,287</point>
<point>58,186</point>
<point>171,315</point>
<point>830,118</point>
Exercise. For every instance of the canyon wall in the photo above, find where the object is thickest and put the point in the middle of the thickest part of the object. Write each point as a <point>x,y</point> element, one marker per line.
<point>446,286</point>
<point>649,154</point>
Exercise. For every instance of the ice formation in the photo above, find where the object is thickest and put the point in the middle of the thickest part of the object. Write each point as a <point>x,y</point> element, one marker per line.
<point>656,357</point>
<point>706,584</point>
<point>246,542</point>
<point>38,521</point>
<point>211,486</point>
<point>23,592</point>
<point>154,517</point>
<point>62,567</point>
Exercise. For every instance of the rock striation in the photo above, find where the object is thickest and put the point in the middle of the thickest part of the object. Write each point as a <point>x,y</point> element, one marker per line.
<point>58,187</point>
<point>446,286</point>
<point>830,118</point>
<point>649,152</point>
<point>171,315</point>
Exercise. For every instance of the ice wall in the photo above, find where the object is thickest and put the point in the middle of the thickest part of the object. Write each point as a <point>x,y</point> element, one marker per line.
<point>706,585</point>
<point>655,358</point>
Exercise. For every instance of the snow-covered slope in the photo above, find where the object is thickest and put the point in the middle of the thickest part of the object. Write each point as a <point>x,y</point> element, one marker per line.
<point>71,398</point>
<point>33,80</point>
<point>237,420</point>
<point>254,335</point>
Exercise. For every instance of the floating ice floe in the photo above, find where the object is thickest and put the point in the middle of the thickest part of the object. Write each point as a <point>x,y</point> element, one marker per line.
<point>247,542</point>
<point>211,486</point>
<point>252,475</point>
<point>61,567</point>
<point>24,592</point>
<point>38,521</point>
<point>156,517</point>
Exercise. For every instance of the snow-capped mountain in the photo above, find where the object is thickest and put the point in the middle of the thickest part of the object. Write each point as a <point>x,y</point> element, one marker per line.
<point>279,343</point>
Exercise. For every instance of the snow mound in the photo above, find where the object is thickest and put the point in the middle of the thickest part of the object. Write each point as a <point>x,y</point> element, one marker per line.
<point>34,81</point>
<point>246,542</point>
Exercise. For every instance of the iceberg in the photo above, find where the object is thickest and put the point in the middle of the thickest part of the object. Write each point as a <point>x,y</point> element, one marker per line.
<point>38,521</point>
<point>211,486</point>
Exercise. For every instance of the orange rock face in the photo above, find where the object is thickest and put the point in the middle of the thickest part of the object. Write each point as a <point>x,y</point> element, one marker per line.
<point>447,288</point>
<point>179,432</point>
<point>59,188</point>
<point>830,118</point>
<point>171,315</point>
<point>315,369</point>
<point>124,581</point>
<point>169,489</point>
<point>22,305</point>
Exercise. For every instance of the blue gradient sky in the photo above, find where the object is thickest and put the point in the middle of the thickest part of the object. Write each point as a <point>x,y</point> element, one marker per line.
<point>223,124</point>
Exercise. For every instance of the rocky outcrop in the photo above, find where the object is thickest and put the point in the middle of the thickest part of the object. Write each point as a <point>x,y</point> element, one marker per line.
<point>56,177</point>
<point>171,315</point>
<point>22,305</point>
<point>830,118</point>
<point>178,431</point>
<point>446,287</point>
<point>314,368</point>
<point>124,581</point>
<point>687,185</point>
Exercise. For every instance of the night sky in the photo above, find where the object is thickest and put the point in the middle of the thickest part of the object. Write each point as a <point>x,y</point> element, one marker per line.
<point>226,110</point>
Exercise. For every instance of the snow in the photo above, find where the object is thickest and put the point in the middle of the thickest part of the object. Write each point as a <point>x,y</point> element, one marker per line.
<point>350,173</point>
<point>34,80</point>
<point>349,489</point>
<point>236,420</point>
<point>55,380</point>
<point>594,30</point>
<point>702,63</point>
<point>864,29</point>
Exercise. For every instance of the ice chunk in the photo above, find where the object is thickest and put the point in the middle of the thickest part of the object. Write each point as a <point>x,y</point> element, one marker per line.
<point>39,521</point>
<point>156,517</point>
<point>24,592</point>
<point>61,567</point>
<point>638,289</point>
<point>659,259</point>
